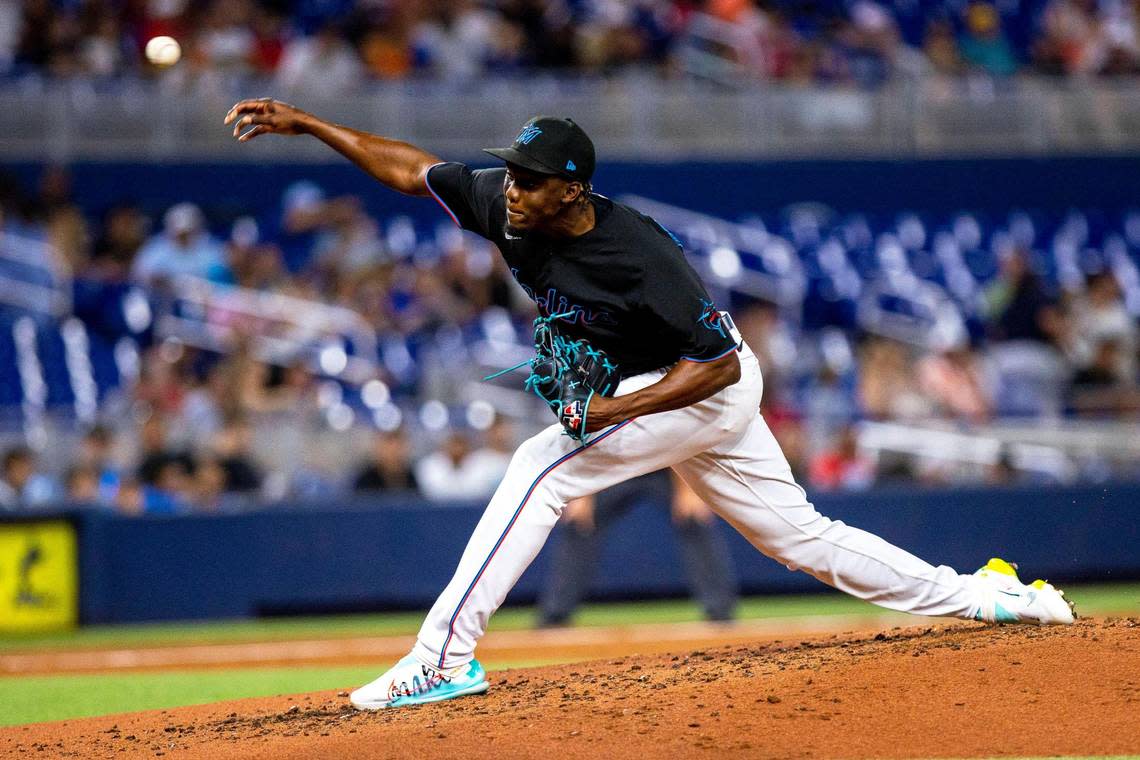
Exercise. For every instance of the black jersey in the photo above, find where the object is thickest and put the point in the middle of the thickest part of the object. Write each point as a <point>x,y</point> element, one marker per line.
<point>625,285</point>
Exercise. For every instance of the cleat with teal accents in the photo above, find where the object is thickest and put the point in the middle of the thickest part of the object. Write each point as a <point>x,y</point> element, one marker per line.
<point>410,682</point>
<point>1005,599</point>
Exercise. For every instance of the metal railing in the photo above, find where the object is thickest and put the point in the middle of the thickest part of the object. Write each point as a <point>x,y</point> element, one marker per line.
<point>633,117</point>
<point>281,329</point>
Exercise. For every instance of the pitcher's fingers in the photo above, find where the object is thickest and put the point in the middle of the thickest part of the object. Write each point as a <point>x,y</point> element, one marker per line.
<point>246,106</point>
<point>257,130</point>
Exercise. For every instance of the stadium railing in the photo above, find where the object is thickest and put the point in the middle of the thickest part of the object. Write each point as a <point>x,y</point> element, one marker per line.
<point>634,117</point>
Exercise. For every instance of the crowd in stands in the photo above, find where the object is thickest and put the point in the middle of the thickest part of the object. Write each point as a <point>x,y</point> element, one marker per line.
<point>196,431</point>
<point>332,46</point>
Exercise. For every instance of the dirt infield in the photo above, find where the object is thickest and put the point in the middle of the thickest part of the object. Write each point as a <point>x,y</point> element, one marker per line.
<point>958,690</point>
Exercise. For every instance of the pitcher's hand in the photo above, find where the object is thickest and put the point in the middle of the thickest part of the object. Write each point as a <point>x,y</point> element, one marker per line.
<point>266,116</point>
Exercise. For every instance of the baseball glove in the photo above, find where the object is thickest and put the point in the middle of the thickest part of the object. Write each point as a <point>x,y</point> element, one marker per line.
<point>566,375</point>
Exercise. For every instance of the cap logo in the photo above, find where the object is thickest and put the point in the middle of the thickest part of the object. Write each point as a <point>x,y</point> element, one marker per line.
<point>570,166</point>
<point>528,133</point>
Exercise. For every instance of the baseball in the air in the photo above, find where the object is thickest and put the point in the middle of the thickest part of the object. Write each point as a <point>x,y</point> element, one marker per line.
<point>163,51</point>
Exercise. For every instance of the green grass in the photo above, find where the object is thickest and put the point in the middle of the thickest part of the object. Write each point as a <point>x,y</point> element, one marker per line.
<point>1101,599</point>
<point>26,699</point>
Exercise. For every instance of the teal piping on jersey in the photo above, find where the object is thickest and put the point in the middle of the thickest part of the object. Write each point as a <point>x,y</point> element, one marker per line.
<point>713,359</point>
<point>435,195</point>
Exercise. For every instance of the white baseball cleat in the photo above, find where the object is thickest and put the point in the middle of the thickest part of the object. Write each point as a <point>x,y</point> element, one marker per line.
<point>1005,599</point>
<point>410,682</point>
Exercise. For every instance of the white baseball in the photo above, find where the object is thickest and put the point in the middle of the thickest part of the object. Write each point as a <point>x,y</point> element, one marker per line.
<point>163,51</point>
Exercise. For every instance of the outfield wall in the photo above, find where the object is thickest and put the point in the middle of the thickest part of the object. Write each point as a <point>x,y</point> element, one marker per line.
<point>381,555</point>
<point>728,189</point>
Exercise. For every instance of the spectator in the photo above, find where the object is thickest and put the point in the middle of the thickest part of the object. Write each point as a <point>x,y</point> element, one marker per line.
<point>1031,332</point>
<point>1067,42</point>
<point>454,41</point>
<point>887,387</point>
<point>82,486</point>
<point>1099,316</point>
<point>323,63</point>
<point>954,379</point>
<point>451,474</point>
<point>22,486</point>
<point>843,467</point>
<point>96,453</point>
<point>231,450</point>
<point>389,468</point>
<point>156,452</point>
<point>984,46</point>
<point>941,48</point>
<point>209,485</point>
<point>124,231</point>
<point>226,41</point>
<point>306,212</point>
<point>183,248</point>
<point>171,490</point>
<point>1018,305</point>
<point>255,264</point>
<point>490,461</point>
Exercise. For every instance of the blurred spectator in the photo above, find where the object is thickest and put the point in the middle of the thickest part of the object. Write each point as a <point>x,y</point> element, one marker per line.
<point>322,63</point>
<point>124,231</point>
<point>171,490</point>
<point>1100,387</point>
<point>1099,315</point>
<point>954,380</point>
<point>226,40</point>
<point>207,403</point>
<point>183,248</point>
<point>96,453</point>
<point>129,500</point>
<point>492,458</point>
<point>1118,37</point>
<point>390,466</point>
<point>452,473</point>
<point>941,48</point>
<point>1066,45</point>
<point>22,485</point>
<point>66,226</point>
<point>305,212</point>
<point>81,485</point>
<point>232,451</point>
<point>156,453</point>
<point>209,485</point>
<point>887,386</point>
<point>843,467</point>
<point>984,47</point>
<point>254,264</point>
<point>1032,332</point>
<point>872,42</point>
<point>454,41</point>
<point>347,248</point>
<point>161,383</point>
<point>1018,305</point>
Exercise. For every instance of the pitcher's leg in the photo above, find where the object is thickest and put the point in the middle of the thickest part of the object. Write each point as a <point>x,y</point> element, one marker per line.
<point>547,471</point>
<point>750,484</point>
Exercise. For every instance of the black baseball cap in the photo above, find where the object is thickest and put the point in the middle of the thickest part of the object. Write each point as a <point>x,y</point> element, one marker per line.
<point>549,145</point>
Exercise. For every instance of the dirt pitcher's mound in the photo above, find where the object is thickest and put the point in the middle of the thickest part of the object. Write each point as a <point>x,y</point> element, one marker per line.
<point>957,691</point>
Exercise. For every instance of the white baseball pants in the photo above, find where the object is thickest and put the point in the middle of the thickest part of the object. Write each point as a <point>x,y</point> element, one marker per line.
<point>724,450</point>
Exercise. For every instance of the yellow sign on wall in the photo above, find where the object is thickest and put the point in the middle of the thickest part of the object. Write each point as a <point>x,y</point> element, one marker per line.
<point>39,587</point>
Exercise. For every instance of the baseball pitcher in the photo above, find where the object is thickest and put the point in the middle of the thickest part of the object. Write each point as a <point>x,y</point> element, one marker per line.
<point>642,372</point>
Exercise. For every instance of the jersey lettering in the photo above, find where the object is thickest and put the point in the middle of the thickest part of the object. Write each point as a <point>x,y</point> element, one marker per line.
<point>554,303</point>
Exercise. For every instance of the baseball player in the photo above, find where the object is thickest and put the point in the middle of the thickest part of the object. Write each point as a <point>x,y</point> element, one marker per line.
<point>643,373</point>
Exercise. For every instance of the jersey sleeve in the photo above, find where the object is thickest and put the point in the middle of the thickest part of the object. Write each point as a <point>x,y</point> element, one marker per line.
<point>469,197</point>
<point>677,304</point>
